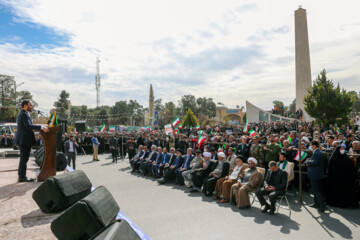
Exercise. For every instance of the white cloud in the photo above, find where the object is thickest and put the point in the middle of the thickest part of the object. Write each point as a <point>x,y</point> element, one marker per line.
<point>173,44</point>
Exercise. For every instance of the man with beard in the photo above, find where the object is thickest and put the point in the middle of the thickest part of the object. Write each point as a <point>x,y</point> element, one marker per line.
<point>200,174</point>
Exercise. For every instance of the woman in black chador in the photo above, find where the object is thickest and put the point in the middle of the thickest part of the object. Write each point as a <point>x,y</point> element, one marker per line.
<point>341,185</point>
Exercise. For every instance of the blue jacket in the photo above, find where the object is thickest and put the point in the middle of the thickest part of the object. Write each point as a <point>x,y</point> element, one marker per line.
<point>187,161</point>
<point>316,166</point>
<point>165,158</point>
<point>178,162</point>
<point>25,130</point>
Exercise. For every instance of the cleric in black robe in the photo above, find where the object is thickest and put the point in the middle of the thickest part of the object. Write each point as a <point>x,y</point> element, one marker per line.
<point>341,185</point>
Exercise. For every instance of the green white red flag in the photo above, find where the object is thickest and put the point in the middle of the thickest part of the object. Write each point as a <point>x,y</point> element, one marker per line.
<point>176,122</point>
<point>102,128</point>
<point>198,127</point>
<point>201,140</point>
<point>252,132</point>
<point>303,156</point>
<point>245,129</point>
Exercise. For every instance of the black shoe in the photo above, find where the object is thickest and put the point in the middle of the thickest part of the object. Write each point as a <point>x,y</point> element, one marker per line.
<point>208,194</point>
<point>193,190</point>
<point>25,179</point>
<point>314,205</point>
<point>272,212</point>
<point>323,209</point>
<point>266,208</point>
<point>161,181</point>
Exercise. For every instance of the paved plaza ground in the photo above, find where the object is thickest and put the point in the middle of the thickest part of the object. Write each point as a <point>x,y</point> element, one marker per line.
<point>170,211</point>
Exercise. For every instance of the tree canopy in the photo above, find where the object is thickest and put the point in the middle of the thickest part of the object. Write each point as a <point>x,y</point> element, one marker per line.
<point>327,103</point>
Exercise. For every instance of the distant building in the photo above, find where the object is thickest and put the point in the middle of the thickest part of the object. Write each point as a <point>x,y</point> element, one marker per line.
<point>228,115</point>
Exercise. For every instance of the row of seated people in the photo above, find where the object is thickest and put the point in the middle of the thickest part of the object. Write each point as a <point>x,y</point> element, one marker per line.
<point>225,180</point>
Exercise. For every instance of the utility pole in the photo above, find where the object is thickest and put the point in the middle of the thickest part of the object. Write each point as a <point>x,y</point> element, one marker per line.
<point>97,82</point>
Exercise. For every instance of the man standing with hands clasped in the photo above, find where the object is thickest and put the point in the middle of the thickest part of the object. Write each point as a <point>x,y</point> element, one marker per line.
<point>25,138</point>
<point>70,150</point>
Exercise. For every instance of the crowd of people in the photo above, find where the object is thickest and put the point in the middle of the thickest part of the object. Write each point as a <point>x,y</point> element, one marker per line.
<point>229,163</point>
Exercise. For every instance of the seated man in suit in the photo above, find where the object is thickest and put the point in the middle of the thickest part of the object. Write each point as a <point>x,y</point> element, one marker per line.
<point>166,165</point>
<point>220,170</point>
<point>152,156</point>
<point>136,157</point>
<point>164,159</point>
<point>196,163</point>
<point>248,181</point>
<point>274,186</point>
<point>199,175</point>
<point>150,165</point>
<point>185,166</point>
<point>142,158</point>
<point>170,171</point>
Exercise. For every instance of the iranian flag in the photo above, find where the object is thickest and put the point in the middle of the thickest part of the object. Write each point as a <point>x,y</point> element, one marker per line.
<point>252,132</point>
<point>198,127</point>
<point>102,128</point>
<point>201,140</point>
<point>176,131</point>
<point>245,129</point>
<point>176,122</point>
<point>303,156</point>
<point>112,128</point>
<point>180,126</point>
<point>201,132</point>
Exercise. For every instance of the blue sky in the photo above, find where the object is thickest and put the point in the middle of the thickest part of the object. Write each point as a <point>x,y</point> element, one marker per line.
<point>232,51</point>
<point>15,30</point>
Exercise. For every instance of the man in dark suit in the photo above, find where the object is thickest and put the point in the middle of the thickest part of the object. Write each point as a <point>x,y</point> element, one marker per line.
<point>316,175</point>
<point>185,166</point>
<point>113,145</point>
<point>156,161</point>
<point>144,166</point>
<point>164,166</point>
<point>137,157</point>
<point>25,137</point>
<point>274,186</point>
<point>161,161</point>
<point>70,150</point>
<point>170,171</point>
<point>199,175</point>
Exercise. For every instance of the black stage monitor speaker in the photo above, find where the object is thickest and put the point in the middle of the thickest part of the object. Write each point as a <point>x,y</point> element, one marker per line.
<point>117,230</point>
<point>86,217</point>
<point>60,192</point>
<point>61,159</point>
<point>80,126</point>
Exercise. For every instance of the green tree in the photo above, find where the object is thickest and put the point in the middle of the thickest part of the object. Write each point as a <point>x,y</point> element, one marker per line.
<point>206,106</point>
<point>355,97</point>
<point>327,103</point>
<point>190,119</point>
<point>62,105</point>
<point>186,102</point>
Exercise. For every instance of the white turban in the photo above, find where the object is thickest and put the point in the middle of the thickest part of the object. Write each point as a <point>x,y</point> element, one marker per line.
<point>221,154</point>
<point>251,159</point>
<point>207,154</point>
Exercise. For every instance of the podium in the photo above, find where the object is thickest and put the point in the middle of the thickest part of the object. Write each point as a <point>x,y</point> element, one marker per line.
<point>48,167</point>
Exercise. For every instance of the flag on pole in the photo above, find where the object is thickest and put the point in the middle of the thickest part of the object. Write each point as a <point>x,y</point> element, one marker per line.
<point>303,156</point>
<point>337,131</point>
<point>52,120</point>
<point>102,128</point>
<point>180,126</point>
<point>201,140</point>
<point>201,132</point>
<point>176,122</point>
<point>252,132</point>
<point>176,131</point>
<point>245,129</point>
<point>198,127</point>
